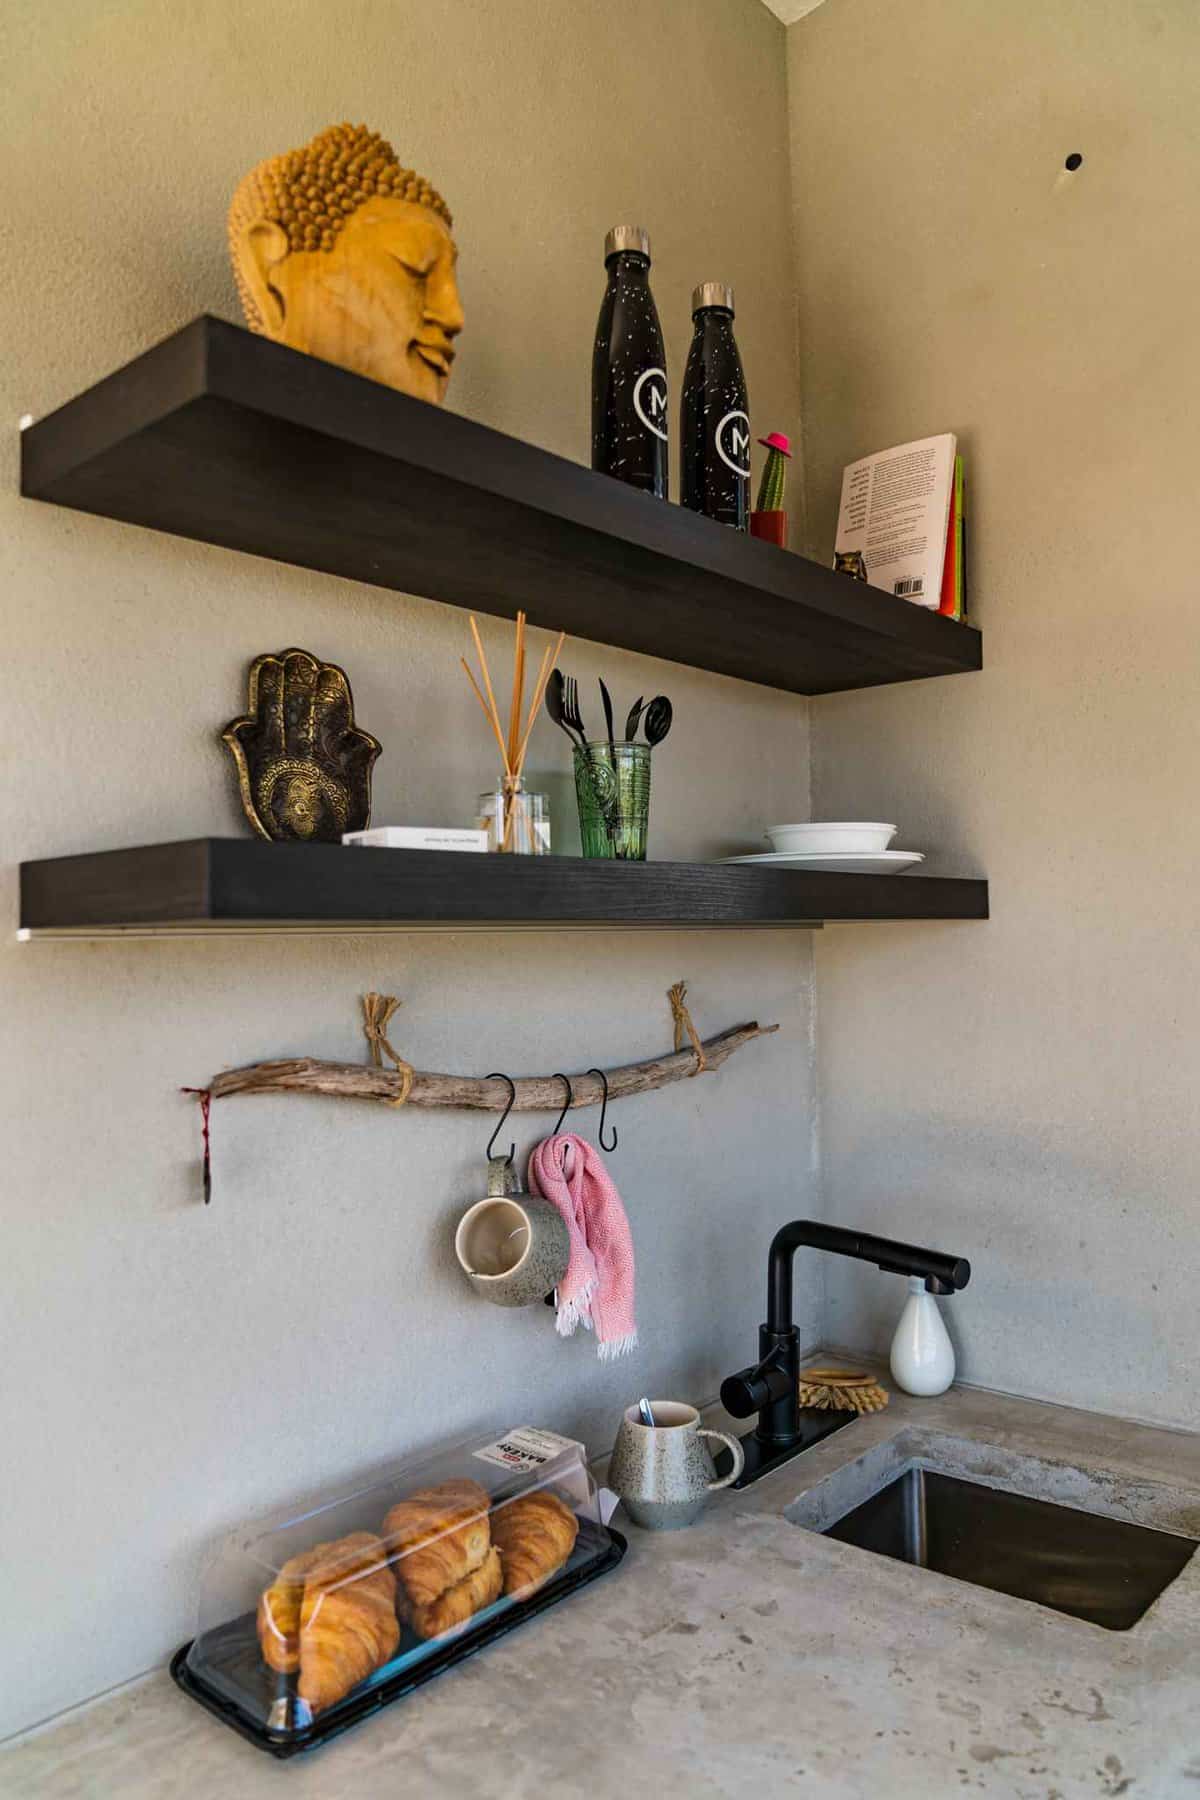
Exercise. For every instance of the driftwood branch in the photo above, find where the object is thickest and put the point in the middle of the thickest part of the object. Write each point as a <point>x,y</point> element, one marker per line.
<point>535,1093</point>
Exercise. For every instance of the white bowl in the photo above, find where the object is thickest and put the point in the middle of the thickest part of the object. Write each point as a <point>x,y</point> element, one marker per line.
<point>847,838</point>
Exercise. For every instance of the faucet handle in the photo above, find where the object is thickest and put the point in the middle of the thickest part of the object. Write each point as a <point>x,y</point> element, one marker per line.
<point>751,1389</point>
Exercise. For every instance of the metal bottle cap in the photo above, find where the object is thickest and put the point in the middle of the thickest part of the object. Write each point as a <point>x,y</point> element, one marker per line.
<point>712,293</point>
<point>627,237</point>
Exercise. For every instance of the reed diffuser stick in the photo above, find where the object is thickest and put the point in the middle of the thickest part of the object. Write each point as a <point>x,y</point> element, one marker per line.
<point>549,664</point>
<point>487,682</point>
<point>488,712</point>
<point>518,692</point>
<point>516,800</point>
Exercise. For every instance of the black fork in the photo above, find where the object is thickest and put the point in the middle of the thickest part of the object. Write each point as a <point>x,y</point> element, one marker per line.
<point>571,713</point>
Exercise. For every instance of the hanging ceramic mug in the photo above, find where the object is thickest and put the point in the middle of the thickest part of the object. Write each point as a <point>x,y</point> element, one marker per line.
<point>663,1472</point>
<point>512,1247</point>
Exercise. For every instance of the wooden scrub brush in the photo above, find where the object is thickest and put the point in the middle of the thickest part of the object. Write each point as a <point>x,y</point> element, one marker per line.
<point>841,1390</point>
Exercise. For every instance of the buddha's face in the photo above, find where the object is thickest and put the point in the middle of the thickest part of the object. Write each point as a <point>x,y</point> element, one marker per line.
<point>383,300</point>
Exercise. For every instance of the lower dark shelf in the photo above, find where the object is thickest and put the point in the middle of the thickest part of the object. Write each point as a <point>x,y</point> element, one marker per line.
<point>216,884</point>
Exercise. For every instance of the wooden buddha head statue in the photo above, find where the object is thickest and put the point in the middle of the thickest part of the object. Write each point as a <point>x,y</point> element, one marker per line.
<point>341,252</point>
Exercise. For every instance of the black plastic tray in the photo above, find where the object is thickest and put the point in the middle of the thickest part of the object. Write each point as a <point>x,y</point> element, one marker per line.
<point>611,1547</point>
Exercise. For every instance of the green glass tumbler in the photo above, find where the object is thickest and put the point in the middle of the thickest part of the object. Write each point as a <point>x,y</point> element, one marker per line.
<point>612,786</point>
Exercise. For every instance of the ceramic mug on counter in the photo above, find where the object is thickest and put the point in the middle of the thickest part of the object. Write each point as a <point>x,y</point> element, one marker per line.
<point>663,1472</point>
<point>513,1247</point>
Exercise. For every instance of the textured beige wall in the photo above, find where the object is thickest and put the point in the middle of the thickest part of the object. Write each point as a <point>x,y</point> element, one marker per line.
<point>1022,1092</point>
<point>166,1370</point>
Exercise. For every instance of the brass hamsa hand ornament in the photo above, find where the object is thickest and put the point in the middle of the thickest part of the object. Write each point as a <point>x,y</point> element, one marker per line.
<point>339,251</point>
<point>304,766</point>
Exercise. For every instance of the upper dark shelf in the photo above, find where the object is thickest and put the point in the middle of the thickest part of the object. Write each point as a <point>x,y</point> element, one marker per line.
<point>244,883</point>
<point>220,435</point>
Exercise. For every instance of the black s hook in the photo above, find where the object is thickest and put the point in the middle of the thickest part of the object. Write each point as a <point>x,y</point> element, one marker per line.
<point>566,1081</point>
<point>604,1114</point>
<point>503,1119</point>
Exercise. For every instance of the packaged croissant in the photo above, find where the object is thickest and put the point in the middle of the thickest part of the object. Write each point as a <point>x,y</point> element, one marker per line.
<point>314,1618</point>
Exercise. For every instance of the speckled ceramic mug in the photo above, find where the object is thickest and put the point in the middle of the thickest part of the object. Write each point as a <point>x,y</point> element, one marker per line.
<point>663,1472</point>
<point>513,1247</point>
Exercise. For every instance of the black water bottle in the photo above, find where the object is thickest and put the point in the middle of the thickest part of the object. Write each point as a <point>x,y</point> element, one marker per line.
<point>629,370</point>
<point>715,414</point>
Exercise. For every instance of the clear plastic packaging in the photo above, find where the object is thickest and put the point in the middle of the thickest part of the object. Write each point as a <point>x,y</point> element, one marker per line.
<point>309,1622</point>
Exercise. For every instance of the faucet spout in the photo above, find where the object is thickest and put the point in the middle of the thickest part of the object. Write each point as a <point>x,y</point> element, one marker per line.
<point>943,1274</point>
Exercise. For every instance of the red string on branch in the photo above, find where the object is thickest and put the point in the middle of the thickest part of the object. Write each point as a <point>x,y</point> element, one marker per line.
<point>205,1097</point>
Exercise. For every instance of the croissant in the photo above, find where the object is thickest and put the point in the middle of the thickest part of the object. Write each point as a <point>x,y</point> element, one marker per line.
<point>437,1537</point>
<point>279,1612</point>
<point>535,1534</point>
<point>348,1623</point>
<point>457,1604</point>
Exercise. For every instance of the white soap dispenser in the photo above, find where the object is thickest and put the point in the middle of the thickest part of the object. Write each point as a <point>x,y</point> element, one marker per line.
<point>922,1354</point>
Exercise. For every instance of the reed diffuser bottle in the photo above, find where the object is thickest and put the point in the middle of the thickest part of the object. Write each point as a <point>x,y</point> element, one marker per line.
<point>517,823</point>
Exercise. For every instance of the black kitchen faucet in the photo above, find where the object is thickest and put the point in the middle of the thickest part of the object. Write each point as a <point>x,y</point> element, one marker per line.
<point>771,1387</point>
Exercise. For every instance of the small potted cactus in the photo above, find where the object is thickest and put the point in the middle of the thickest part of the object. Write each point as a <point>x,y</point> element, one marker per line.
<point>769,520</point>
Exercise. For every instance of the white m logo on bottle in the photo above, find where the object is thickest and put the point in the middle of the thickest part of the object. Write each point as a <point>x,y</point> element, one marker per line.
<point>650,400</point>
<point>733,441</point>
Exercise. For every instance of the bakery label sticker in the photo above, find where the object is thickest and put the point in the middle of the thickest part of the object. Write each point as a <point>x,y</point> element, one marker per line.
<point>526,1448</point>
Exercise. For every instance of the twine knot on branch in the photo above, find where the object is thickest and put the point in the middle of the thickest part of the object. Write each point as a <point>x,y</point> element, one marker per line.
<point>677,995</point>
<point>377,1011</point>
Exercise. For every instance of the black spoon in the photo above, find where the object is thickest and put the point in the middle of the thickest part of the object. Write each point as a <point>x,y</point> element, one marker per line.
<point>659,715</point>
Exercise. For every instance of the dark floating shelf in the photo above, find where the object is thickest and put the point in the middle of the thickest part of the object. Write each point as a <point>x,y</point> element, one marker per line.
<point>223,436</point>
<point>229,884</point>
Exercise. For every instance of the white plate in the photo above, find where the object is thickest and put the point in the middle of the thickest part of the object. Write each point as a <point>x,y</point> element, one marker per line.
<point>883,862</point>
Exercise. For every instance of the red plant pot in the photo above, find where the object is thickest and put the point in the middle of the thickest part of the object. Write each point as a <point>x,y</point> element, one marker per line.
<point>771,526</point>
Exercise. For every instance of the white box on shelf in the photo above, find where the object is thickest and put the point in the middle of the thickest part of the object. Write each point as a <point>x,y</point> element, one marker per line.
<point>419,837</point>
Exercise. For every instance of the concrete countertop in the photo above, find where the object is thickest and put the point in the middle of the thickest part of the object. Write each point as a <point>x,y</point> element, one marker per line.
<point>747,1656</point>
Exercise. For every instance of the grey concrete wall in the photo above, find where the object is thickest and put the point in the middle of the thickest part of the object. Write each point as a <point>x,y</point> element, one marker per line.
<point>169,1370</point>
<point>1021,1092</point>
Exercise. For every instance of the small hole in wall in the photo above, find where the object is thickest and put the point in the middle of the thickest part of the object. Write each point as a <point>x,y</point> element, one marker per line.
<point>1074,161</point>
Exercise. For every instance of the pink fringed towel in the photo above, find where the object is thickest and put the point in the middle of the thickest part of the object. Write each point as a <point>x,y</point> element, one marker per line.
<point>597,1289</point>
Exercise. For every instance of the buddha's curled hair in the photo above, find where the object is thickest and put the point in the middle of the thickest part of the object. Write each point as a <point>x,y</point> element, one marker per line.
<point>312,192</point>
